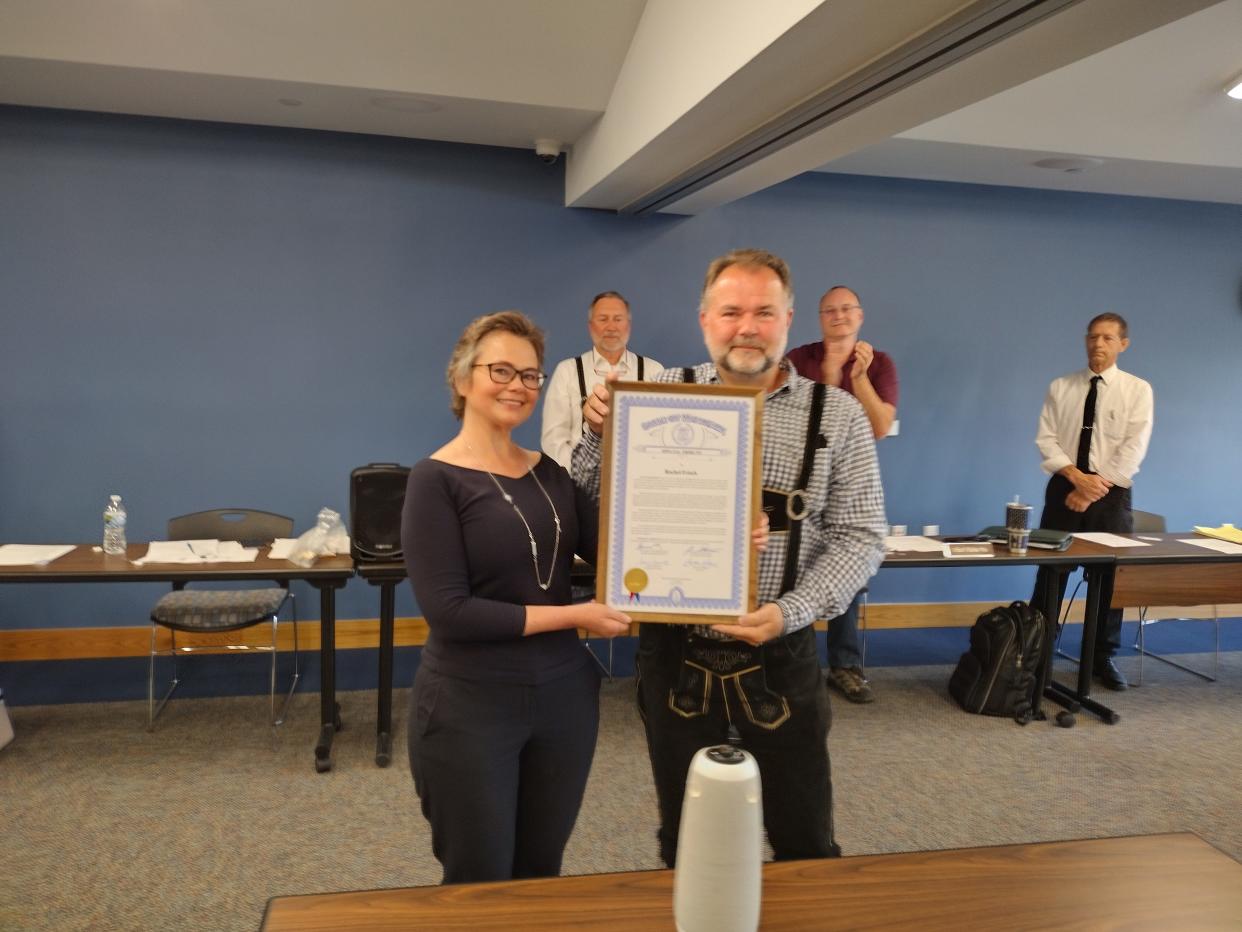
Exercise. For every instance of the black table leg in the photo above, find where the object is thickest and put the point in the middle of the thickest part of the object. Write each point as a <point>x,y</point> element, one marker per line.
<point>1099,597</point>
<point>383,737</point>
<point>1050,606</point>
<point>329,710</point>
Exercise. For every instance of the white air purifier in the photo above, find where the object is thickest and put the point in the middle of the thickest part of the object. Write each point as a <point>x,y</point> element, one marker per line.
<point>717,881</point>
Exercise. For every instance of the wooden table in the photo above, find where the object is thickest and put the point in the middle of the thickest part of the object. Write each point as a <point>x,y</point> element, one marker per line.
<point>86,564</point>
<point>1154,882</point>
<point>1170,573</point>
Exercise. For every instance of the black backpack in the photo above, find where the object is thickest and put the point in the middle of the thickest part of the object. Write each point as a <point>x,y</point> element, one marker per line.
<point>1001,673</point>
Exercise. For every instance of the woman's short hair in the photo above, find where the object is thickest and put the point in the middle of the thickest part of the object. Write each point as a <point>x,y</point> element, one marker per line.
<point>467,349</point>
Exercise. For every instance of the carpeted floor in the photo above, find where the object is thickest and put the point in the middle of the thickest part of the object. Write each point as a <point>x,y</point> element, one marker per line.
<point>197,825</point>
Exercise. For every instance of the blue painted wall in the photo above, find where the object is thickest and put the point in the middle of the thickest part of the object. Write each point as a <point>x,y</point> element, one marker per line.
<point>197,315</point>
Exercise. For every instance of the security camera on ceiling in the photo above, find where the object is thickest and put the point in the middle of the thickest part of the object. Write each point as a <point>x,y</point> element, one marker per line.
<point>548,150</point>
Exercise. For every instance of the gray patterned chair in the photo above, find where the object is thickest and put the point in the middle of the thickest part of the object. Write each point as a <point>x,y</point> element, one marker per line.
<point>218,610</point>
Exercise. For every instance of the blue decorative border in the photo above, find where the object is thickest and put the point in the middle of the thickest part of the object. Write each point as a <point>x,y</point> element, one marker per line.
<point>618,595</point>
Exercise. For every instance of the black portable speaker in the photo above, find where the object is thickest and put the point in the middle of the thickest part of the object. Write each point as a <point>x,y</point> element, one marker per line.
<point>376,495</point>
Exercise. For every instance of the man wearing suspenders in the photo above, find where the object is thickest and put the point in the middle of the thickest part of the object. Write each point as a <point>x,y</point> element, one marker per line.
<point>757,682</point>
<point>573,379</point>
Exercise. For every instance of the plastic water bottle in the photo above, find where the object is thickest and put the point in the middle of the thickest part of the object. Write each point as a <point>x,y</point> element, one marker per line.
<point>114,526</point>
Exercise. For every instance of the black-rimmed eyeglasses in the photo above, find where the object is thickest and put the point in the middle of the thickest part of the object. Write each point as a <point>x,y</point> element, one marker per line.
<point>502,374</point>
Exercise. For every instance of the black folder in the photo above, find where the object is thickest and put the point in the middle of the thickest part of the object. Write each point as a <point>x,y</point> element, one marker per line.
<point>1042,538</point>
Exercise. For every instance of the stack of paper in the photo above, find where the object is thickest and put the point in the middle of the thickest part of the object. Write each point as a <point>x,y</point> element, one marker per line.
<point>281,548</point>
<point>31,554</point>
<point>912,543</point>
<point>1220,546</point>
<point>1224,532</point>
<point>1104,539</point>
<point>197,551</point>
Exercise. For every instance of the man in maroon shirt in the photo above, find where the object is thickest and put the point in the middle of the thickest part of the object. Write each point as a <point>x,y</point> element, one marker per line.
<point>851,364</point>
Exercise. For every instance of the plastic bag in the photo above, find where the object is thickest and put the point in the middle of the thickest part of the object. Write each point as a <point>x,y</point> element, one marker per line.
<point>327,537</point>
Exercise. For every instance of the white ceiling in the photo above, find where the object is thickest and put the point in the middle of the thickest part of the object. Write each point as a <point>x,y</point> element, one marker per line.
<point>643,93</point>
<point>1152,109</point>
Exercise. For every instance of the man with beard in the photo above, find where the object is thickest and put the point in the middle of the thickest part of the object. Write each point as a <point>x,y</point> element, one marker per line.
<point>757,682</point>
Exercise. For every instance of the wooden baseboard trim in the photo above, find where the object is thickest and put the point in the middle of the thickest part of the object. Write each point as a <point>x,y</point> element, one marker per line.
<point>102,643</point>
<point>351,633</point>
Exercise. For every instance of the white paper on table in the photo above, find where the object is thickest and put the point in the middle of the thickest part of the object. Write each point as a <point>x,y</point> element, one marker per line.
<point>1211,543</point>
<point>231,551</point>
<point>912,543</point>
<point>168,551</point>
<point>31,554</point>
<point>1104,539</point>
<point>281,548</point>
<point>197,551</point>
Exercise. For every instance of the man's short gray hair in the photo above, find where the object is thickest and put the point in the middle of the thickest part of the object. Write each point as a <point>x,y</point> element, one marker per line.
<point>608,294</point>
<point>751,259</point>
<point>1108,317</point>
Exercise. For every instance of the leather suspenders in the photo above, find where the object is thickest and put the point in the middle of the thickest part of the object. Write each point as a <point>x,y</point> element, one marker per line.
<point>795,504</point>
<point>797,514</point>
<point>582,392</point>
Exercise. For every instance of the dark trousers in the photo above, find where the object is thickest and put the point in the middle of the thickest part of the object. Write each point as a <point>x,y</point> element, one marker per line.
<point>501,770</point>
<point>1110,513</point>
<point>774,695</point>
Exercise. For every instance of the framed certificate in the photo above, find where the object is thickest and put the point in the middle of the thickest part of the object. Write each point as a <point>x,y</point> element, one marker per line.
<point>679,497</point>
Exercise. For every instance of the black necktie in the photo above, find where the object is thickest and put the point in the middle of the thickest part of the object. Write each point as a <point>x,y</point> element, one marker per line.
<point>1088,420</point>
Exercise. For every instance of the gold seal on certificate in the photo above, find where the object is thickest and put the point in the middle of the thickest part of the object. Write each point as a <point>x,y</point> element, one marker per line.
<point>636,581</point>
<point>679,498</point>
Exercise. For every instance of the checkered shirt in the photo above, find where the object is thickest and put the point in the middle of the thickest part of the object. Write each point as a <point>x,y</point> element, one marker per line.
<point>843,534</point>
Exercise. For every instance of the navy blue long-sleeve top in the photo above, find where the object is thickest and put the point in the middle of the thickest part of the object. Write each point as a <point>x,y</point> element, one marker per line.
<point>468,557</point>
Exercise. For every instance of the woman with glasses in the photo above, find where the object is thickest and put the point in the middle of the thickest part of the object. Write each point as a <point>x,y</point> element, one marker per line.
<point>505,706</point>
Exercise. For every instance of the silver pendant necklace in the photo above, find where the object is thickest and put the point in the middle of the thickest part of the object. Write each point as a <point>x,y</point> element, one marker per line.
<point>534,547</point>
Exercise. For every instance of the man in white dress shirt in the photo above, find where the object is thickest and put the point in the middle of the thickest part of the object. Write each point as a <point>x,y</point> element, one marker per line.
<point>573,379</point>
<point>1093,434</point>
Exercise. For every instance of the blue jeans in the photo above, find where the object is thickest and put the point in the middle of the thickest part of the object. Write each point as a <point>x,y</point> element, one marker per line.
<point>843,637</point>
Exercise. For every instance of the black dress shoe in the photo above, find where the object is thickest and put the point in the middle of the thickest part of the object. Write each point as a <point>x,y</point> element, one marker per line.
<point>1107,673</point>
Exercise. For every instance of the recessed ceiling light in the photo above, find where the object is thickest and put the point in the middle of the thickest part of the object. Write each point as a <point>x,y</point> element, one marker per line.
<point>1072,165</point>
<point>406,103</point>
<point>289,101</point>
<point>1234,88</point>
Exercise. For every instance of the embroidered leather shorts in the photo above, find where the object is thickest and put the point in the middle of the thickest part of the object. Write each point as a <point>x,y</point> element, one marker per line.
<point>735,669</point>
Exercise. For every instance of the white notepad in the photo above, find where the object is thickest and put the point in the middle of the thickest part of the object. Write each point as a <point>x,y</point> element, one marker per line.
<point>197,551</point>
<point>1104,539</point>
<point>31,554</point>
<point>1211,543</point>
